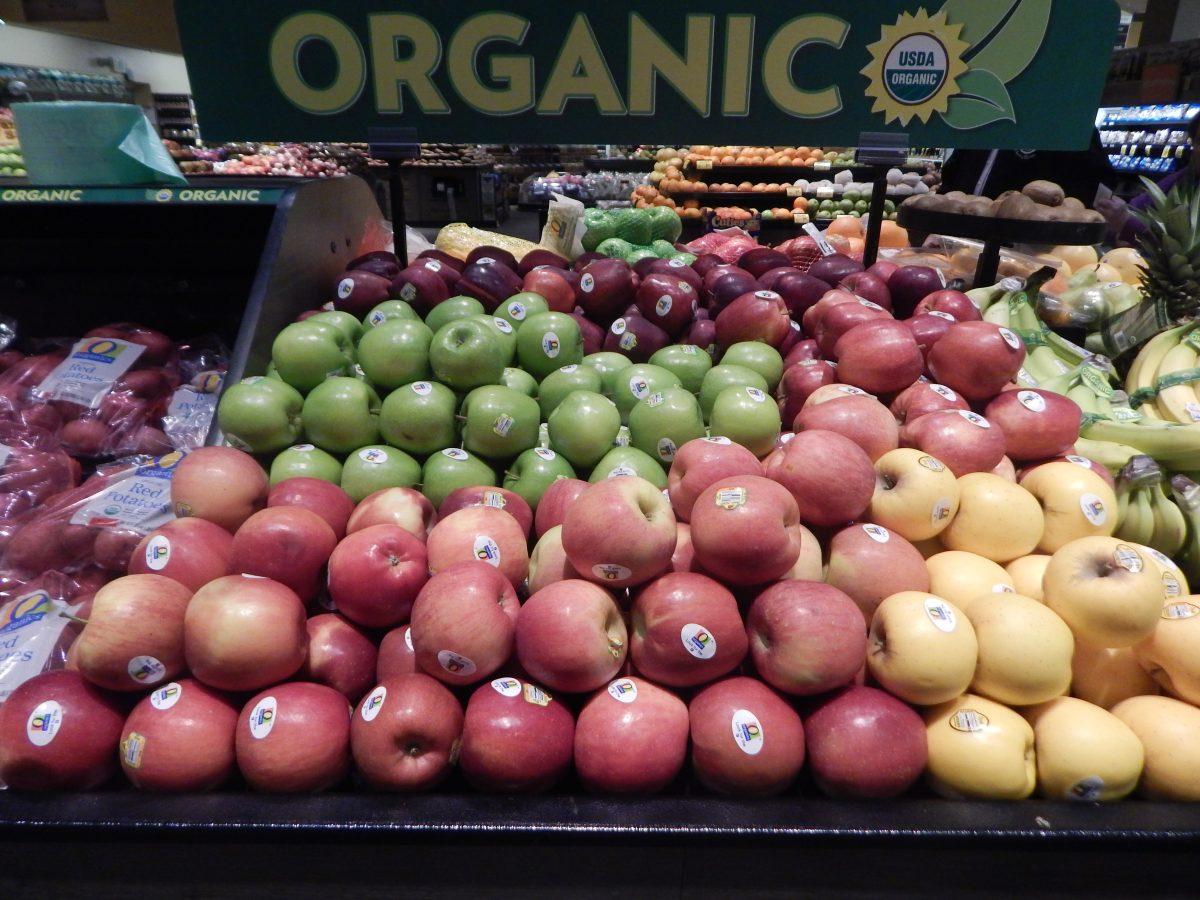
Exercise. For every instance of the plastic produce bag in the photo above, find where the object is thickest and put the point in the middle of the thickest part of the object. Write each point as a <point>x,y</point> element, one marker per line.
<point>564,227</point>
<point>728,243</point>
<point>459,239</point>
<point>36,631</point>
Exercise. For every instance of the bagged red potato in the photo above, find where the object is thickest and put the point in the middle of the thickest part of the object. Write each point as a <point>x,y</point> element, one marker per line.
<point>33,468</point>
<point>729,244</point>
<point>37,628</point>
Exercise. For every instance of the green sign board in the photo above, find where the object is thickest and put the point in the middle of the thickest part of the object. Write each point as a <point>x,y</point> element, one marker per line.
<point>956,73</point>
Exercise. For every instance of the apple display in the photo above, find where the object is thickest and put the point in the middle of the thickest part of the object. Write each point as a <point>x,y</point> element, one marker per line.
<point>620,532</point>
<point>862,742</point>
<point>1027,573</point>
<point>1170,734</point>
<point>1036,424</point>
<point>746,740</point>
<point>746,529</point>
<point>419,418</point>
<point>243,486</point>
<point>921,648</point>
<point>916,496</point>
<point>996,519</point>
<point>375,575</point>
<point>287,544</point>
<point>571,637</point>
<point>1107,675</point>
<point>1024,650</point>
<point>327,500</point>
<point>881,357</point>
<point>869,563</point>
<point>977,359</point>
<point>830,476</point>
<point>516,738</point>
<point>979,749</point>
<point>242,633</point>
<point>1076,503</point>
<point>405,507</point>
<point>340,656</point>
<point>191,552</point>
<point>862,419</point>
<point>1084,753</point>
<point>960,577</point>
<point>961,439</point>
<point>631,738</point>
<point>294,738</point>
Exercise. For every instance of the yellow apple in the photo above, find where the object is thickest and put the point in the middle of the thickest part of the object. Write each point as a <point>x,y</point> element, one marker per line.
<point>1172,652</point>
<point>1170,733</point>
<point>1107,675</point>
<point>1174,582</point>
<point>961,577</point>
<point>916,496</point>
<point>1105,589</point>
<point>979,749</point>
<point>1026,573</point>
<point>996,518</point>
<point>922,648</point>
<point>1076,503</point>
<point>1083,752</point>
<point>1024,650</point>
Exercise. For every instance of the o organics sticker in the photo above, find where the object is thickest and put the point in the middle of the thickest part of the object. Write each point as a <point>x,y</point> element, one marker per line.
<point>747,732</point>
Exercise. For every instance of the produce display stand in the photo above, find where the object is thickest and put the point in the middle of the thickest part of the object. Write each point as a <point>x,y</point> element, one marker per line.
<point>996,233</point>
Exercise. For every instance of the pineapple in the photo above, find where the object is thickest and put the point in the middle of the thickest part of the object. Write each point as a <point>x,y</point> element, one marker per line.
<point>1171,248</point>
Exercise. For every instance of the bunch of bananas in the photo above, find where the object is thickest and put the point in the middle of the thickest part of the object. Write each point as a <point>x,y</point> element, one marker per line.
<point>1146,515</point>
<point>1164,376</point>
<point>1187,497</point>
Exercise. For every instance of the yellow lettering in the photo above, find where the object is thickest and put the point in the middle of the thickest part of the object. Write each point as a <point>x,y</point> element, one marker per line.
<point>393,73</point>
<point>293,34</point>
<point>580,72</point>
<point>739,63</point>
<point>651,56</point>
<point>781,51</point>
<point>514,72</point>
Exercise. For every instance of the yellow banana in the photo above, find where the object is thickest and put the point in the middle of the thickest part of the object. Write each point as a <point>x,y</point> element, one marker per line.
<point>1146,363</point>
<point>1170,526</point>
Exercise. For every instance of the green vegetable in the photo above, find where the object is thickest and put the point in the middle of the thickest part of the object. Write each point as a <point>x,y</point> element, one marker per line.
<point>614,248</point>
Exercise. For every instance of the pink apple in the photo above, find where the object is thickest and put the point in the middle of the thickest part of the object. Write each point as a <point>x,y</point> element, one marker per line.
<point>516,738</point>
<point>860,418</point>
<point>881,357</point>
<point>294,739</point>
<point>840,319</point>
<point>480,534</point>
<point>190,551</point>
<point>58,733</point>
<point>746,529</point>
<point>1036,424</point>
<point>956,303</point>
<point>571,637</point>
<point>340,656</point>
<point>548,563</point>
<point>180,739</point>
<point>806,637</point>
<point>746,740</point>
<point>620,532</point>
<point>288,544</point>
<point>686,630</point>
<point>242,633</point>
<point>929,328</point>
<point>965,441</point>
<point>699,463</point>
<point>803,350</point>
<point>683,559</point>
<point>396,654</point>
<point>870,562</point>
<point>463,623</point>
<point>317,495</point>
<point>375,575</point>
<point>405,734</point>
<point>798,384</point>
<point>668,302</point>
<point>756,316</point>
<point>863,742</point>
<point>813,316</point>
<point>552,508</point>
<point>977,359</point>
<point>409,509</point>
<point>830,476</point>
<point>220,484</point>
<point>631,738</point>
<point>869,286</point>
<point>925,397</point>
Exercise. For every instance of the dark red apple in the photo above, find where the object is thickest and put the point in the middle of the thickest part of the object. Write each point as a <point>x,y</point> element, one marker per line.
<point>977,359</point>
<point>881,357</point>
<point>956,303</point>
<point>489,281</point>
<point>668,302</point>
<point>760,260</point>
<point>726,286</point>
<point>540,257</point>
<point>925,397</point>
<point>516,738</point>
<point>929,328</point>
<point>635,337</point>
<point>910,285</point>
<point>832,269</point>
<point>869,287</point>
<point>798,383</point>
<point>605,288</point>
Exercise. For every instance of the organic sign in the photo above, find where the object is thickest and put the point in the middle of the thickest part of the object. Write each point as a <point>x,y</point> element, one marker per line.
<point>961,73</point>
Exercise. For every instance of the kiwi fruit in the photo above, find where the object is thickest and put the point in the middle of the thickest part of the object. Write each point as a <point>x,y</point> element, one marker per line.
<point>1046,193</point>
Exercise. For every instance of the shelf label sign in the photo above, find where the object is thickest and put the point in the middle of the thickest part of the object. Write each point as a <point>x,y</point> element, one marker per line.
<point>958,73</point>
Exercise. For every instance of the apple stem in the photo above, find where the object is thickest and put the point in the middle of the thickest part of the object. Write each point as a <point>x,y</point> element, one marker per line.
<point>75,619</point>
<point>460,418</point>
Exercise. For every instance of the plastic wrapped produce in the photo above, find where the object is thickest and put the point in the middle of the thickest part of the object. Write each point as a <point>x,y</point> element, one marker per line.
<point>459,239</point>
<point>729,244</point>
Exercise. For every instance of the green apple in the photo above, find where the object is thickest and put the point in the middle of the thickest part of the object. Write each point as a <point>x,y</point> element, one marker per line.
<point>548,341</point>
<point>396,353</point>
<point>567,379</point>
<point>721,377</point>
<point>467,354</point>
<point>305,461</point>
<point>452,469</point>
<point>451,310</point>
<point>519,307</point>
<point>583,426</point>
<point>306,353</point>
<point>500,423</point>
<point>608,365</point>
<point>388,310</point>
<point>629,461</point>
<point>506,333</point>
<point>341,414</point>
<point>520,380</point>
<point>420,418</point>
<point>260,415</point>
<point>664,422</point>
<point>689,363</point>
<point>637,383</point>
<point>534,471</point>
<point>343,321</point>
<point>371,469</point>
<point>762,358</point>
<point>747,416</point>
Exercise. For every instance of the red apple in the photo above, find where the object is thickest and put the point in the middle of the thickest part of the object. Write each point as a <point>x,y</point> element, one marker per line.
<point>58,733</point>
<point>294,739</point>
<point>841,318</point>
<point>746,741</point>
<point>922,398</point>
<point>869,286</point>
<point>830,476</point>
<point>340,655</point>
<point>977,359</point>
<point>180,739</point>
<point>548,563</point>
<point>552,508</point>
<point>883,268</point>
<point>409,509</point>
<point>683,559</point>
<point>702,334</point>
<point>806,637</point>
<point>955,303</point>
<point>516,738</point>
<point>631,738</point>
<point>699,463</point>
<point>375,575</point>
<point>593,335</point>
<point>396,654</point>
<point>965,441</point>
<point>799,381</point>
<point>870,562</point>
<point>746,530</point>
<point>636,337</point>
<point>863,742</point>
<point>288,544</point>
<point>677,268</point>
<point>462,625</point>
<point>405,734</point>
<point>571,637</point>
<point>480,534</point>
<point>860,418</point>
<point>242,633</point>
<point>686,630</point>
<point>605,288</point>
<point>667,301</point>
<point>220,484</point>
<point>929,328</point>
<point>799,290</point>
<point>909,285</point>
<point>620,532</point>
<point>757,316</point>
<point>327,500</point>
<point>1036,424</point>
<point>550,284</point>
<point>726,286</point>
<point>190,551</point>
